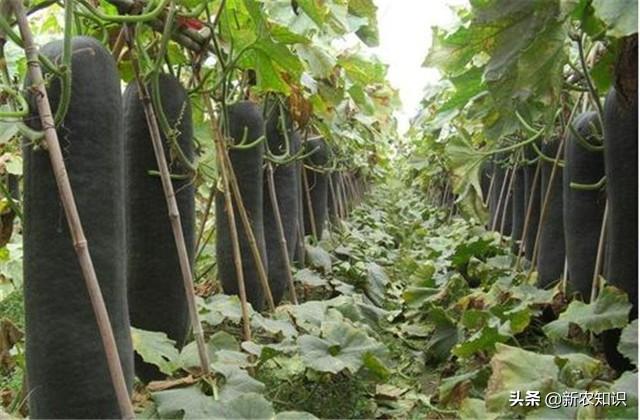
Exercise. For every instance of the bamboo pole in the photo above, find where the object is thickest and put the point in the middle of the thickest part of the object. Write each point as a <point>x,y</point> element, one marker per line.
<point>246,224</point>
<point>545,205</point>
<point>205,216</point>
<point>339,197</point>
<point>527,220</point>
<point>334,199</point>
<point>508,197</point>
<point>485,201</point>
<point>494,223</point>
<point>599,255</point>
<point>307,193</point>
<point>76,231</point>
<point>300,219</point>
<point>283,241</point>
<point>235,242</point>
<point>172,207</point>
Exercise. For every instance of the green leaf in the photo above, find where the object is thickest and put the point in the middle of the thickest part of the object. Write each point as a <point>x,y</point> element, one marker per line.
<point>268,77</point>
<point>281,56</point>
<point>621,16</point>
<point>609,310</point>
<point>445,336</point>
<point>464,162</point>
<point>8,129</point>
<point>361,70</point>
<point>473,408</point>
<point>367,9</point>
<point>485,339</point>
<point>218,308</point>
<point>514,369</point>
<point>274,326</point>
<point>315,9</point>
<point>376,366</point>
<point>447,391</point>
<point>467,86</point>
<point>184,403</point>
<point>376,284</point>
<point>237,382</point>
<point>628,345</point>
<point>14,165</point>
<point>319,258</point>
<point>310,278</point>
<point>309,315</point>
<point>341,347</point>
<point>627,383</point>
<point>247,406</point>
<point>319,60</point>
<point>575,368</point>
<point>156,348</point>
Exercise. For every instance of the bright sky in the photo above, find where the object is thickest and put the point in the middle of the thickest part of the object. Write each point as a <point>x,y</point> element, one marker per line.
<point>405,38</point>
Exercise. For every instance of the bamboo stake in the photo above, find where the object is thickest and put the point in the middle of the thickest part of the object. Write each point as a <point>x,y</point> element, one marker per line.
<point>494,223</point>
<point>76,231</point>
<point>599,255</point>
<point>283,241</point>
<point>334,199</point>
<point>205,216</point>
<point>565,275</point>
<point>485,202</point>
<point>300,219</point>
<point>172,207</point>
<point>235,243</point>
<point>354,192</point>
<point>527,220</point>
<point>246,224</point>
<point>508,197</point>
<point>545,205</point>
<point>307,193</point>
<point>340,202</point>
<point>347,200</point>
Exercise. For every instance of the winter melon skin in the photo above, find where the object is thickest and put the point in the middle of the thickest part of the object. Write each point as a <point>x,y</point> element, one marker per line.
<point>529,187</point>
<point>318,186</point>
<point>551,251</point>
<point>244,116</point>
<point>67,370</point>
<point>621,163</point>
<point>157,300</point>
<point>583,210</point>
<point>518,209</point>
<point>286,187</point>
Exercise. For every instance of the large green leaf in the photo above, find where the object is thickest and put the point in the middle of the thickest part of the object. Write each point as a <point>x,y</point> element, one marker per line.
<point>342,346</point>
<point>361,70</point>
<point>377,281</point>
<point>237,382</point>
<point>627,383</point>
<point>184,403</point>
<point>246,406</point>
<point>609,310</point>
<point>621,16</point>
<point>514,369</point>
<point>366,9</point>
<point>628,345</point>
<point>319,258</point>
<point>156,348</point>
<point>315,9</point>
<point>483,340</point>
<point>466,86</point>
